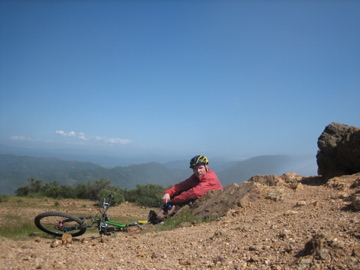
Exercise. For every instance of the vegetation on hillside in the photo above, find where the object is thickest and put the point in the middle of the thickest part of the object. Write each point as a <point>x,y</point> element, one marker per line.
<point>15,170</point>
<point>147,195</point>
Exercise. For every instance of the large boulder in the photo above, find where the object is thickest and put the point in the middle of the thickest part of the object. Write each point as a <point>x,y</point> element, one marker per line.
<point>339,151</point>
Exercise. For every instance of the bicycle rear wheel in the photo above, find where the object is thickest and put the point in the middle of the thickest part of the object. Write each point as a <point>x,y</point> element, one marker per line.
<point>59,223</point>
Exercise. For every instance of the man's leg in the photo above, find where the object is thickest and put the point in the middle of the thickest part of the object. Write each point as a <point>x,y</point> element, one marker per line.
<point>163,214</point>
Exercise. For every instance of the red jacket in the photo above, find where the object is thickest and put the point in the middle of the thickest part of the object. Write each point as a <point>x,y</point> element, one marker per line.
<point>193,188</point>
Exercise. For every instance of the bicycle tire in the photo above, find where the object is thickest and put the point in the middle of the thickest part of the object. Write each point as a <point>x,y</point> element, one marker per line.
<point>59,223</point>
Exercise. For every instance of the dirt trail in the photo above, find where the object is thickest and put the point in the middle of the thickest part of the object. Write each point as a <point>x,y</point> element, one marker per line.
<point>311,227</point>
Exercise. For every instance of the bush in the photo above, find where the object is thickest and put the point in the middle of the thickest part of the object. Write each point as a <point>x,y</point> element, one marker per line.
<point>94,188</point>
<point>147,195</point>
<point>4,198</point>
<point>53,190</point>
<point>117,197</point>
<point>22,191</point>
<point>33,188</point>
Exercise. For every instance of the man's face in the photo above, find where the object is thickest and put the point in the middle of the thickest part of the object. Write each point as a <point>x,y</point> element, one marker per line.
<point>200,170</point>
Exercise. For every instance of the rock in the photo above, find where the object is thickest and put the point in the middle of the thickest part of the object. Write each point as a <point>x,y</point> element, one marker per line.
<point>339,151</point>
<point>292,177</point>
<point>184,262</point>
<point>275,194</point>
<point>323,247</point>
<point>268,180</point>
<point>344,182</point>
<point>356,201</point>
<point>155,256</point>
<point>300,203</point>
<point>218,203</point>
<point>66,239</point>
<point>133,229</point>
<point>55,243</point>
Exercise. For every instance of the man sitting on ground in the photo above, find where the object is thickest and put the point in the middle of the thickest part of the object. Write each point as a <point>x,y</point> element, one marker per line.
<point>186,192</point>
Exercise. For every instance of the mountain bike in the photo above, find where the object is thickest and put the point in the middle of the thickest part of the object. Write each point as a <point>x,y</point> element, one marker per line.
<point>59,223</point>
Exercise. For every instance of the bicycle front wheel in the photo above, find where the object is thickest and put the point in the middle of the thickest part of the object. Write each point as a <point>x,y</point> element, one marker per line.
<point>59,223</point>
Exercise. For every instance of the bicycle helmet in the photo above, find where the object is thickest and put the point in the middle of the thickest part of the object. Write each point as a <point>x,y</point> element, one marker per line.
<point>198,160</point>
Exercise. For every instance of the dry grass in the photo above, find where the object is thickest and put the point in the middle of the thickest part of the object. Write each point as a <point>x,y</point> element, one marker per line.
<point>17,214</point>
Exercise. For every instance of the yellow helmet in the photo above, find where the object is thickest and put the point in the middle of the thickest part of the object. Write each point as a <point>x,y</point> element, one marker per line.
<point>198,160</point>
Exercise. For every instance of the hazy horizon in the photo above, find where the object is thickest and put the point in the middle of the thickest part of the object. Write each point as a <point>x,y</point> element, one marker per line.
<point>301,164</point>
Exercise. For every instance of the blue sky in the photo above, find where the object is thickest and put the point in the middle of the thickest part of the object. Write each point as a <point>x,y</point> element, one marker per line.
<point>228,79</point>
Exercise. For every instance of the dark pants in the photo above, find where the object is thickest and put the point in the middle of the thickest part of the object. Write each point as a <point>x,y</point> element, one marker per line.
<point>163,214</point>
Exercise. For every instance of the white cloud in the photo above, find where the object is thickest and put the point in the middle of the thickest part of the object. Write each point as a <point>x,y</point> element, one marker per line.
<point>117,140</point>
<point>63,133</point>
<point>20,138</point>
<point>82,136</point>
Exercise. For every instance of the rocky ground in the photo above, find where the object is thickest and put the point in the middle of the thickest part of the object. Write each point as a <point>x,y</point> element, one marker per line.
<point>308,225</point>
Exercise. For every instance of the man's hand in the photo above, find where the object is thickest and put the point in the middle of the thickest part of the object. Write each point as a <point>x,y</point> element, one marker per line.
<point>166,198</point>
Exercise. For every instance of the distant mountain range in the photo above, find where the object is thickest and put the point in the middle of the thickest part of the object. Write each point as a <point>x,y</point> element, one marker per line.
<point>15,170</point>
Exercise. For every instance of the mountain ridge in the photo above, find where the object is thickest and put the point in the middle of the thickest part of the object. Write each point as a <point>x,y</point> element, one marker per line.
<point>15,170</point>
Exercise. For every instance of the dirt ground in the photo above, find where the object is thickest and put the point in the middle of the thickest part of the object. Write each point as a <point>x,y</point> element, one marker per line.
<point>309,227</point>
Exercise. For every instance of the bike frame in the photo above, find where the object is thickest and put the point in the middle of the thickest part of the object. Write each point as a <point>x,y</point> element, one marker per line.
<point>104,225</point>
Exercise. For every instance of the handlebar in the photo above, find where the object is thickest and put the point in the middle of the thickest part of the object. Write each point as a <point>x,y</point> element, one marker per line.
<point>106,204</point>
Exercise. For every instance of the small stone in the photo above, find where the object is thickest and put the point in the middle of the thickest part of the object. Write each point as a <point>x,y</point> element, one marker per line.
<point>55,243</point>
<point>300,203</point>
<point>154,256</point>
<point>66,239</point>
<point>356,201</point>
<point>104,239</point>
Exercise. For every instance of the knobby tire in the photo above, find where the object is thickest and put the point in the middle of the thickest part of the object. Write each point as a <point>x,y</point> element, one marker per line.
<point>49,222</point>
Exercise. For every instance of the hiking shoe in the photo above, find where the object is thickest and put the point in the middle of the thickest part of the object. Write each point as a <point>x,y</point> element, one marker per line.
<point>152,218</point>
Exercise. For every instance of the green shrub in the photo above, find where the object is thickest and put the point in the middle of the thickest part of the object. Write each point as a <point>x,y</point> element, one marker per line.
<point>117,197</point>
<point>22,191</point>
<point>4,198</point>
<point>94,188</point>
<point>147,195</point>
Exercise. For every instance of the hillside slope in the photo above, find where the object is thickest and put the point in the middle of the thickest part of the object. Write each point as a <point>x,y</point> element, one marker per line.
<point>311,226</point>
<point>15,170</point>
